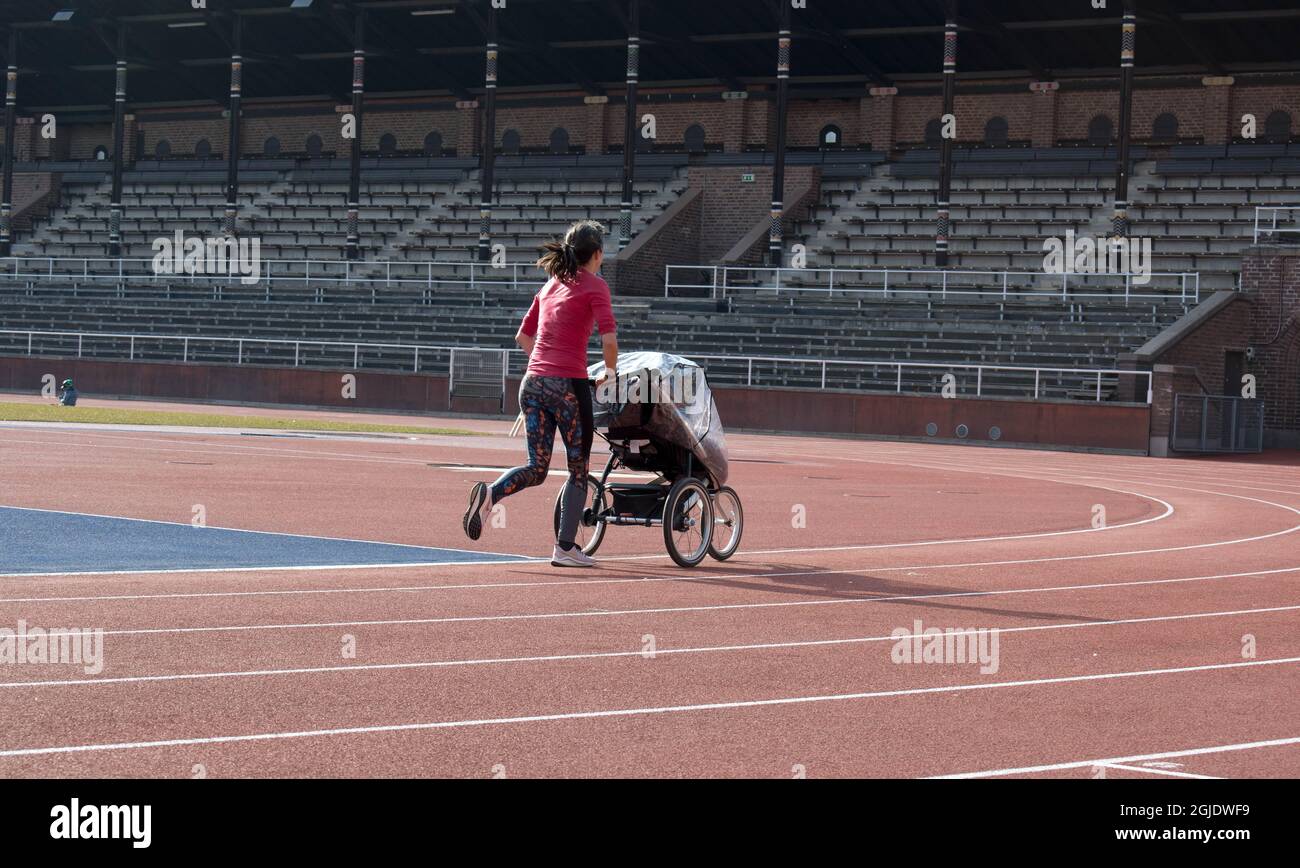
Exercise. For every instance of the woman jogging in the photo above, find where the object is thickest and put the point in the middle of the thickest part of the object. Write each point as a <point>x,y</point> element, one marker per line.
<point>555,392</point>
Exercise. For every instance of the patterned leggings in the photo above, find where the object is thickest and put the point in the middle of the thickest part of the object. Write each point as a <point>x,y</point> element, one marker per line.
<point>551,403</point>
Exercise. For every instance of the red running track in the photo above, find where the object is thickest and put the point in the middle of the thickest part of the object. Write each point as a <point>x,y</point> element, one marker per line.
<point>1162,645</point>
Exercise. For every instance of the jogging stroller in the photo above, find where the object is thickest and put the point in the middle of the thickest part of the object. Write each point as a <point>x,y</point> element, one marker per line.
<point>660,417</point>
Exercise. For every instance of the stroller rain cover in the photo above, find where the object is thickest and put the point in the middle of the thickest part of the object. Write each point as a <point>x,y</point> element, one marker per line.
<point>682,409</point>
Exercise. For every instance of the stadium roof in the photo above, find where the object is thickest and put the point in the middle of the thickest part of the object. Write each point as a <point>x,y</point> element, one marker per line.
<point>178,55</point>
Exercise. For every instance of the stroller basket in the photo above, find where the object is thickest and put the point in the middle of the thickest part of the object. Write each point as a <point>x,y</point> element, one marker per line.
<point>642,505</point>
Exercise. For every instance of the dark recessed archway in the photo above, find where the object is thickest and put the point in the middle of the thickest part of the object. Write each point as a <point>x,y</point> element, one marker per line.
<point>1165,126</point>
<point>1101,130</point>
<point>694,139</point>
<point>1278,125</point>
<point>997,131</point>
<point>433,144</point>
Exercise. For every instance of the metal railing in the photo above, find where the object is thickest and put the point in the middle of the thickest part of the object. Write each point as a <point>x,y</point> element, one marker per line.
<point>716,281</point>
<point>1274,222</point>
<point>964,379</point>
<point>515,276</point>
<point>1217,423</point>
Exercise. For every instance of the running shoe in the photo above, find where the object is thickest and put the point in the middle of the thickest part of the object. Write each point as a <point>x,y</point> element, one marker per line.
<point>476,516</point>
<point>574,557</point>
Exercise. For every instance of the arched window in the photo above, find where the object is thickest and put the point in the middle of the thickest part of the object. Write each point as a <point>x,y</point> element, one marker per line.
<point>1278,125</point>
<point>1101,131</point>
<point>694,139</point>
<point>271,147</point>
<point>203,149</point>
<point>313,146</point>
<point>101,153</point>
<point>996,131</point>
<point>1165,126</point>
<point>387,145</point>
<point>559,141</point>
<point>510,142</point>
<point>162,149</point>
<point>934,132</point>
<point>433,144</point>
<point>830,137</point>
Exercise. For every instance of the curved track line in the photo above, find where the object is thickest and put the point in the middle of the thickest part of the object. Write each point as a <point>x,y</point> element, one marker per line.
<point>670,610</point>
<point>608,655</point>
<point>1169,511</point>
<point>1171,754</point>
<point>633,712</point>
<point>405,589</point>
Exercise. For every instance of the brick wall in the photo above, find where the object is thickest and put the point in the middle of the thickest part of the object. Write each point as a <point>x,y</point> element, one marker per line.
<point>1271,277</point>
<point>183,130</point>
<point>1212,112</point>
<point>716,213</point>
<point>731,207</point>
<point>35,194</point>
<point>1265,318</point>
<point>674,237</point>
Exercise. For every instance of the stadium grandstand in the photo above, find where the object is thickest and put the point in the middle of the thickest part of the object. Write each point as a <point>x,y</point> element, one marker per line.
<point>845,210</point>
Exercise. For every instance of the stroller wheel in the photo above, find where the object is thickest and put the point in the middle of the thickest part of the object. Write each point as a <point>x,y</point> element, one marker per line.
<point>590,531</point>
<point>728,524</point>
<point>688,521</point>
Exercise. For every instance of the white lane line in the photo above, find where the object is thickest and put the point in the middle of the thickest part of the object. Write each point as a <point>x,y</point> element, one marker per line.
<point>519,560</point>
<point>1150,771</point>
<point>668,610</point>
<point>813,549</point>
<point>638,712</point>
<point>1084,530</point>
<point>606,655</point>
<point>1058,767</point>
<point>1149,472</point>
<point>1169,511</point>
<point>474,586</point>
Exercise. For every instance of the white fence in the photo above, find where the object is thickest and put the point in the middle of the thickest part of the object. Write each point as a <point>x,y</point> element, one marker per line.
<point>515,276</point>
<point>1277,224</point>
<point>717,281</point>
<point>974,380</point>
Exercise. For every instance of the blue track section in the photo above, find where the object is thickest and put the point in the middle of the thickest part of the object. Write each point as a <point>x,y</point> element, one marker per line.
<point>32,541</point>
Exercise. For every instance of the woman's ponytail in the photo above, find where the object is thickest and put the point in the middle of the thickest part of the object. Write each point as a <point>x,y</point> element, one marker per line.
<point>563,258</point>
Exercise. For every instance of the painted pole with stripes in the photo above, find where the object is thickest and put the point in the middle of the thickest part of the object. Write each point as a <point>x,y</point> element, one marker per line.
<point>1127,59</point>
<point>119,147</point>
<point>944,231</point>
<point>487,165</point>
<point>232,147</point>
<point>353,250</point>
<point>776,237</point>
<point>630,125</point>
<point>11,120</point>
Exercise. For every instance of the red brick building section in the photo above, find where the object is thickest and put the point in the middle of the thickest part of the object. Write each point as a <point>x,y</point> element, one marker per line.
<point>1257,330</point>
